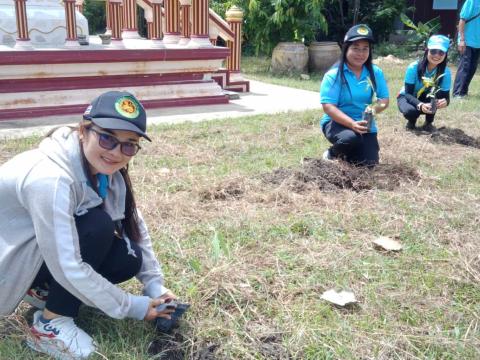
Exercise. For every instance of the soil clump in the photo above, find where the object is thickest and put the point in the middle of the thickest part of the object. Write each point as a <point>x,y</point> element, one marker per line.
<point>332,176</point>
<point>449,136</point>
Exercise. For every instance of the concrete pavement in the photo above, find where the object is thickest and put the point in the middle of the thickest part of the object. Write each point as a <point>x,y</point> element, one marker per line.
<point>263,99</point>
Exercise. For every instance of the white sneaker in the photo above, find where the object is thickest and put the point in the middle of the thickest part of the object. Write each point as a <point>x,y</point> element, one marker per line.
<point>60,338</point>
<point>37,297</point>
<point>327,157</point>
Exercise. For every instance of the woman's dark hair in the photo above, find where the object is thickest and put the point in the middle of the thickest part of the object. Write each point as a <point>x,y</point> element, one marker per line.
<point>423,63</point>
<point>368,64</point>
<point>130,222</point>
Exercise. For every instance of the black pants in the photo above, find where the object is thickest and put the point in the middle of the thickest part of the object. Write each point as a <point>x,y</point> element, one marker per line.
<point>105,253</point>
<point>466,70</point>
<point>409,109</point>
<point>355,148</point>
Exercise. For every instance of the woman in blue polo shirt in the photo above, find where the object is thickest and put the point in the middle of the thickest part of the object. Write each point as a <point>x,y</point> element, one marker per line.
<point>348,89</point>
<point>426,79</point>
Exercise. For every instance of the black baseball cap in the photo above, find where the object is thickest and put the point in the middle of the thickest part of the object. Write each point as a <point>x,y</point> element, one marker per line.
<point>118,110</point>
<point>359,32</point>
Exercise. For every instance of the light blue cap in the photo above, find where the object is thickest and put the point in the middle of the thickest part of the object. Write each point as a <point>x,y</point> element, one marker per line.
<point>440,42</point>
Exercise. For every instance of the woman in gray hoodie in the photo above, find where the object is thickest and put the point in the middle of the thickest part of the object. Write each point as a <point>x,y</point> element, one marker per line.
<point>70,230</point>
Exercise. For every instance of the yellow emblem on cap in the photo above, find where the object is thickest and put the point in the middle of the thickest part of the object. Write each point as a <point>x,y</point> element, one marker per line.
<point>127,106</point>
<point>362,31</point>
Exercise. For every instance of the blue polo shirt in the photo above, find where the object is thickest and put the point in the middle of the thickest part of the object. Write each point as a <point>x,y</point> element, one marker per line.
<point>472,30</point>
<point>411,77</point>
<point>354,101</point>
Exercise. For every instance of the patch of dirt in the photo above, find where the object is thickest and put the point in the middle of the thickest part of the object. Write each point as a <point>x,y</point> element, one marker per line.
<point>271,347</point>
<point>231,190</point>
<point>167,347</point>
<point>207,352</point>
<point>331,176</point>
<point>449,136</point>
<point>446,135</point>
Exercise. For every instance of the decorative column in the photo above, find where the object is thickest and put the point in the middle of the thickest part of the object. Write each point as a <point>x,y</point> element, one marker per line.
<point>116,21</point>
<point>185,12</point>
<point>108,19</point>
<point>23,41</point>
<point>79,6</point>
<point>199,37</point>
<point>130,28</point>
<point>172,22</point>
<point>213,35</point>
<point>71,23</point>
<point>234,17</point>
<point>156,28</point>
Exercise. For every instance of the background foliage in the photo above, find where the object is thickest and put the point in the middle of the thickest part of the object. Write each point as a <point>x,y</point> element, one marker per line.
<point>269,21</point>
<point>94,11</point>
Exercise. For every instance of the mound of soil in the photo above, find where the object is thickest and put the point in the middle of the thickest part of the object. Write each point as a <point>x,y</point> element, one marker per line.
<point>231,190</point>
<point>331,176</point>
<point>446,135</point>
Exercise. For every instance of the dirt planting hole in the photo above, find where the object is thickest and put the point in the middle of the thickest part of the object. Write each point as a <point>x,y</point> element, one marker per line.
<point>449,136</point>
<point>231,190</point>
<point>332,176</point>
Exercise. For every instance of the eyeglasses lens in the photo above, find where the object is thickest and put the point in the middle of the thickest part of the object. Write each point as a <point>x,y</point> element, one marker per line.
<point>109,142</point>
<point>437,52</point>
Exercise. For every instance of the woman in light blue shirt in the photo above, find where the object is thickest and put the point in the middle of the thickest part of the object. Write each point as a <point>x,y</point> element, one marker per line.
<point>427,84</point>
<point>349,88</point>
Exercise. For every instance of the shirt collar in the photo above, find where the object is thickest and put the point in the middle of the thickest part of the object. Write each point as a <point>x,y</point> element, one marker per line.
<point>362,75</point>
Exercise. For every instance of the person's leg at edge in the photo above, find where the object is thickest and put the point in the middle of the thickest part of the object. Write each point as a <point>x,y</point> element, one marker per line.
<point>408,111</point>
<point>461,83</point>
<point>473,66</point>
<point>345,142</point>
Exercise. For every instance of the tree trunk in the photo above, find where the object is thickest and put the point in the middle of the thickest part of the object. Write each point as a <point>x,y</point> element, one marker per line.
<point>356,10</point>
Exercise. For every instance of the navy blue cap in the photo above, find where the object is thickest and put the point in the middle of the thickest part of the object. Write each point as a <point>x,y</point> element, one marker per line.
<point>359,32</point>
<point>118,110</point>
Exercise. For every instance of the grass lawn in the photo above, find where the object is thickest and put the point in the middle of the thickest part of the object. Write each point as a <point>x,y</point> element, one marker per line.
<point>254,256</point>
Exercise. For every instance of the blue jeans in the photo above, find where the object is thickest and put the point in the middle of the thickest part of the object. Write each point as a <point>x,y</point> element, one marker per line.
<point>358,149</point>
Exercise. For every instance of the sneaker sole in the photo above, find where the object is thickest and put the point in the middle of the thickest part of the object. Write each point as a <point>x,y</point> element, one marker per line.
<point>53,351</point>
<point>35,302</point>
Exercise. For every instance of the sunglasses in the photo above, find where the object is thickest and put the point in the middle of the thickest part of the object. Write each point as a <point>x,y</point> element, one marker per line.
<point>110,142</point>
<point>436,52</point>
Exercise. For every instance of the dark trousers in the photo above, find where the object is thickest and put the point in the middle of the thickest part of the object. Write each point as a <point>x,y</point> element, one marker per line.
<point>466,70</point>
<point>358,149</point>
<point>105,253</point>
<point>409,109</point>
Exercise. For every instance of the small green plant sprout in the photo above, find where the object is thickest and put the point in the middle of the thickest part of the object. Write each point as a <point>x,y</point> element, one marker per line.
<point>431,83</point>
<point>369,87</point>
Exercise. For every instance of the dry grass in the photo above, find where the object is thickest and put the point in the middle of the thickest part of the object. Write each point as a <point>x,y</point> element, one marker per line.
<point>252,251</point>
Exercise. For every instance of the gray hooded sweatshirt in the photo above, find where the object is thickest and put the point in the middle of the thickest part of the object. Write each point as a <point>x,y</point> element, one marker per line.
<point>41,192</point>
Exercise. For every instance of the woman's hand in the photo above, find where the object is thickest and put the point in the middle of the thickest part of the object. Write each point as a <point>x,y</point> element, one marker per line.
<point>152,312</point>
<point>426,108</point>
<point>360,127</point>
<point>442,103</point>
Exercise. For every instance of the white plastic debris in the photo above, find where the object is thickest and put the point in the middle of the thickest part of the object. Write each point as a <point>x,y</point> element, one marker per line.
<point>341,298</point>
<point>388,244</point>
